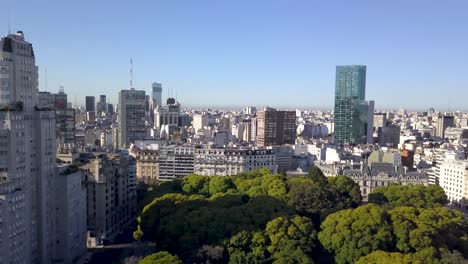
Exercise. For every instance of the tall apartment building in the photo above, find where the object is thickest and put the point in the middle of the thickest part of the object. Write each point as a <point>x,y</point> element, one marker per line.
<point>111,196</point>
<point>353,115</point>
<point>131,117</point>
<point>227,162</point>
<point>27,159</point>
<point>444,122</point>
<point>275,127</point>
<point>453,178</point>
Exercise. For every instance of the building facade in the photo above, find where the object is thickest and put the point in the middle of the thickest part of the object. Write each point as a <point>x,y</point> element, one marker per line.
<point>131,117</point>
<point>275,127</point>
<point>111,196</point>
<point>453,178</point>
<point>27,159</point>
<point>70,197</point>
<point>228,162</point>
<point>90,104</point>
<point>353,115</point>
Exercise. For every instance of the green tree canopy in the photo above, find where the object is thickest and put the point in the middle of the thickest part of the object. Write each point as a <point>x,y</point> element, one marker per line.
<point>317,176</point>
<point>428,230</point>
<point>162,257</point>
<point>382,257</point>
<point>353,233</point>
<point>347,192</point>
<point>409,195</point>
<point>308,198</point>
<point>196,184</point>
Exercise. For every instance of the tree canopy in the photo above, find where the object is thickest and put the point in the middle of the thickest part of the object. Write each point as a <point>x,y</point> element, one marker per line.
<point>409,195</point>
<point>259,217</point>
<point>162,257</point>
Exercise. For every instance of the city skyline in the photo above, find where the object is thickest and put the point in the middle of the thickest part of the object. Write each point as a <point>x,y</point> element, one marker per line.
<point>198,51</point>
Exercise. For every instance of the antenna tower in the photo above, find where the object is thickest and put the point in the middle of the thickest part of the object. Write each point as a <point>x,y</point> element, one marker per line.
<point>131,73</point>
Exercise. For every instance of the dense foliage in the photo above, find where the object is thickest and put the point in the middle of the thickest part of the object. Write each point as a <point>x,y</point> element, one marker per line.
<point>259,217</point>
<point>161,257</point>
<point>408,195</point>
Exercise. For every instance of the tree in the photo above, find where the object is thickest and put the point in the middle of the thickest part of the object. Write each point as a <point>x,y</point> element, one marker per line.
<point>308,198</point>
<point>426,231</point>
<point>220,185</point>
<point>317,176</point>
<point>297,232</point>
<point>409,195</point>
<point>346,191</point>
<point>353,233</point>
<point>162,257</point>
<point>382,257</point>
<point>196,184</point>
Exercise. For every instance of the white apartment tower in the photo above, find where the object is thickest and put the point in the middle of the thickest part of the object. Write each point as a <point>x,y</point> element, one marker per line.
<point>27,159</point>
<point>454,179</point>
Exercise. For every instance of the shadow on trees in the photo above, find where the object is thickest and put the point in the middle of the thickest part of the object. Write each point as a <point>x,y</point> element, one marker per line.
<point>182,224</point>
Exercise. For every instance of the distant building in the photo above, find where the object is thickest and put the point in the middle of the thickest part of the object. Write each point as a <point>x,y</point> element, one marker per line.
<point>443,123</point>
<point>167,115</point>
<point>455,134</point>
<point>175,162</point>
<point>353,115</point>
<point>380,120</point>
<point>227,162</point>
<point>276,127</point>
<point>90,105</point>
<point>64,117</point>
<point>250,110</point>
<point>131,117</point>
<point>383,174</point>
<point>200,121</point>
<point>156,94</point>
<point>101,106</point>
<point>389,136</point>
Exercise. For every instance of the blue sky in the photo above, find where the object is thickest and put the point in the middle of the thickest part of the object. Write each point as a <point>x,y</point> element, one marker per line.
<point>251,52</point>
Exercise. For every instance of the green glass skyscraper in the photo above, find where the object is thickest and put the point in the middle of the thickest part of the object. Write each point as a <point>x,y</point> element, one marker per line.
<point>352,112</point>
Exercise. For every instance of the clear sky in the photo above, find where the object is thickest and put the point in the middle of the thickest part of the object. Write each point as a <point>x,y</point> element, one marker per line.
<point>251,52</point>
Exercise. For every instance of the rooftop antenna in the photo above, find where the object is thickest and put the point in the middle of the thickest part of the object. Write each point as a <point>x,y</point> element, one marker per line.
<point>45,69</point>
<point>131,73</point>
<point>9,19</point>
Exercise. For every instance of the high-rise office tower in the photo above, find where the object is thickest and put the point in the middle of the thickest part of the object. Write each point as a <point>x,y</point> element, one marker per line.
<point>131,116</point>
<point>90,104</point>
<point>101,106</point>
<point>443,122</point>
<point>156,94</point>
<point>27,159</point>
<point>353,115</point>
<point>276,127</point>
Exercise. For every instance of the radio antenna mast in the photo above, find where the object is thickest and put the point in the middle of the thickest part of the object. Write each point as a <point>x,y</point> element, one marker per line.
<point>131,73</point>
